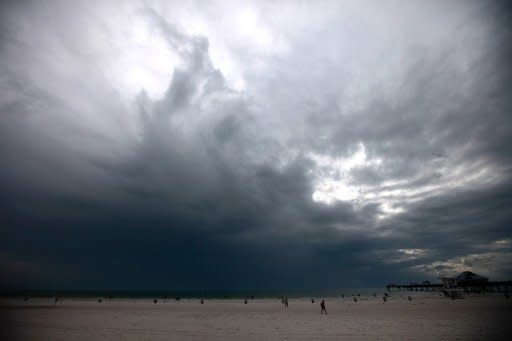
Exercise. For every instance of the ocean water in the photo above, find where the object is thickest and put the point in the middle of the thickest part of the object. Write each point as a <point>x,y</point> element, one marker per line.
<point>222,294</point>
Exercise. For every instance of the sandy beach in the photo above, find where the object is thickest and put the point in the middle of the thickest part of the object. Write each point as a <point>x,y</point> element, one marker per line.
<point>423,318</point>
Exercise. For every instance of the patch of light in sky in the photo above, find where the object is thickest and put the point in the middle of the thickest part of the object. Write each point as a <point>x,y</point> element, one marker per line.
<point>141,60</point>
<point>387,209</point>
<point>249,25</point>
<point>333,182</point>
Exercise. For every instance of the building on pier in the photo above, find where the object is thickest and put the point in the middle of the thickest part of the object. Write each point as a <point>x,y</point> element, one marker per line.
<point>466,281</point>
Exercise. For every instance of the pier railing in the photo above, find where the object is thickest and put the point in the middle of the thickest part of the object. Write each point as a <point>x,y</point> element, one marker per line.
<point>414,287</point>
<point>498,286</point>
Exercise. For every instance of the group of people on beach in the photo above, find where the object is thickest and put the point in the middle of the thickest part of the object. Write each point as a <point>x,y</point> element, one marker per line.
<point>284,300</point>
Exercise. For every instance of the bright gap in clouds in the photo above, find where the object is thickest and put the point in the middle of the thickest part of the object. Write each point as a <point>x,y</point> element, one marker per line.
<point>333,176</point>
<point>250,27</point>
<point>143,60</point>
<point>334,181</point>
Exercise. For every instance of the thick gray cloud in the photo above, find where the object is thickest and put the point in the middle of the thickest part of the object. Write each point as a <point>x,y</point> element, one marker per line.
<point>150,146</point>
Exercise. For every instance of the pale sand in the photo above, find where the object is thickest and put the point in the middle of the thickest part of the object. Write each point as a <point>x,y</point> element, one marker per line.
<point>475,318</point>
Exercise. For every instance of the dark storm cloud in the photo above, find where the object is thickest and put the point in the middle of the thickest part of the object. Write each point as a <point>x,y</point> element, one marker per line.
<point>402,137</point>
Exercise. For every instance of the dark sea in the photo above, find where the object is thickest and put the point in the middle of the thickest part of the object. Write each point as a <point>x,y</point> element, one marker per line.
<point>212,294</point>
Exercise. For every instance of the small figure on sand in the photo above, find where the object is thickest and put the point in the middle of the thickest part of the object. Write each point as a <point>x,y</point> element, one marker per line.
<point>286,302</point>
<point>323,310</point>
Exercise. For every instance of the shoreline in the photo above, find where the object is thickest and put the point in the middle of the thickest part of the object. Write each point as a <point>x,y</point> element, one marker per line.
<point>423,318</point>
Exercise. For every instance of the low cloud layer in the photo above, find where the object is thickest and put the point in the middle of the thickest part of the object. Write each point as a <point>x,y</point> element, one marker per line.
<point>150,146</point>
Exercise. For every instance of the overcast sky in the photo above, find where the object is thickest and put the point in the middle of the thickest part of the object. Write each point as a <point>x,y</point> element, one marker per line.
<point>264,145</point>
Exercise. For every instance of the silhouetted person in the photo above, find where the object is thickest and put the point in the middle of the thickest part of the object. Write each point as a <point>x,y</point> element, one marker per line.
<point>312,300</point>
<point>409,298</point>
<point>323,310</point>
<point>286,302</point>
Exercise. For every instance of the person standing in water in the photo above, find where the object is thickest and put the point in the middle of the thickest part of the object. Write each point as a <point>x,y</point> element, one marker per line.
<point>322,305</point>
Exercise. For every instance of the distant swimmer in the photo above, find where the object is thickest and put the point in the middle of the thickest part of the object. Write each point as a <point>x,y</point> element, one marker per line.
<point>323,310</point>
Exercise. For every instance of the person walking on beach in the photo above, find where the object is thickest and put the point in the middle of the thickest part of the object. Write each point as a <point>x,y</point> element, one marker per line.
<point>286,302</point>
<point>322,305</point>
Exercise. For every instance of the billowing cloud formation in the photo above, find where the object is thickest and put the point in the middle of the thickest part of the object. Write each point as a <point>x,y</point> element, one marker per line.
<point>316,145</point>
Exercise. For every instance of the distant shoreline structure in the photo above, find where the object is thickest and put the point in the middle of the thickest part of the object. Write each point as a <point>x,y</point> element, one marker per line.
<point>467,282</point>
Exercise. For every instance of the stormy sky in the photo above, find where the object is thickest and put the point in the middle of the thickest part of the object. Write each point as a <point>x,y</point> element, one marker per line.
<point>263,145</point>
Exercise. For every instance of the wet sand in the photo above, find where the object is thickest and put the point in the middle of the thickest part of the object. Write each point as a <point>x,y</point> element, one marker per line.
<point>434,318</point>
